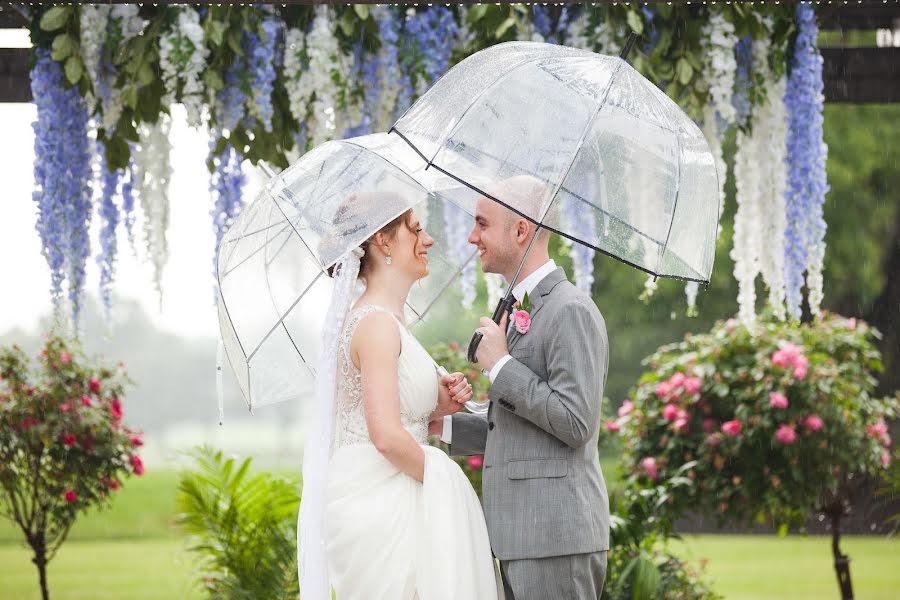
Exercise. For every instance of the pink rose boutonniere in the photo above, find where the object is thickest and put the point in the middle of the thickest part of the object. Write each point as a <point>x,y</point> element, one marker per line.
<point>521,316</point>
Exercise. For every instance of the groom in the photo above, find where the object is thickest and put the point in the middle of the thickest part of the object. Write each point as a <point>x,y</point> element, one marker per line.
<point>545,499</point>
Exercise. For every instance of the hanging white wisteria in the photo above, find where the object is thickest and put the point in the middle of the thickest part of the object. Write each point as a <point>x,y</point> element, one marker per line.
<point>496,285</point>
<point>747,225</point>
<point>719,67</point>
<point>325,80</point>
<point>152,173</point>
<point>182,58</point>
<point>92,31</point>
<point>295,61</point>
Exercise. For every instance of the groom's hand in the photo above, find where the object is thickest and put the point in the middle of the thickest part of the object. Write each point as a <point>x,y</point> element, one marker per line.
<point>493,342</point>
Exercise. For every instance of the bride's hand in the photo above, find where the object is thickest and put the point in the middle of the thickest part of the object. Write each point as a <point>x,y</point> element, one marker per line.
<point>453,391</point>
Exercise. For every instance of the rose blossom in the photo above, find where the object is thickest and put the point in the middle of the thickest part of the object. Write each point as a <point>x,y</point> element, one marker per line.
<point>94,385</point>
<point>778,400</point>
<point>453,346</point>
<point>115,408</point>
<point>475,461</point>
<point>813,422</point>
<point>786,434</point>
<point>69,440</point>
<point>612,426</point>
<point>714,439</point>
<point>70,496</point>
<point>65,358</point>
<point>137,441</point>
<point>663,389</point>
<point>137,464</point>
<point>86,400</point>
<point>851,323</point>
<point>677,380</point>
<point>626,408</point>
<point>66,407</point>
<point>885,458</point>
<point>649,465</point>
<point>522,321</point>
<point>670,412</point>
<point>801,365</point>
<point>692,385</point>
<point>732,428</point>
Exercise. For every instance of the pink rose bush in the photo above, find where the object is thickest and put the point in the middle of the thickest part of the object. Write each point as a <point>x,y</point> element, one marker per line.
<point>64,413</point>
<point>761,425</point>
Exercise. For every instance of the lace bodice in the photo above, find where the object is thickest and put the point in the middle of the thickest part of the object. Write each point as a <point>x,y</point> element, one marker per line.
<point>417,385</point>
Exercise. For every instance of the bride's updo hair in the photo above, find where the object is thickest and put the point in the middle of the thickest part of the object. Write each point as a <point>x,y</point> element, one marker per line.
<point>389,231</point>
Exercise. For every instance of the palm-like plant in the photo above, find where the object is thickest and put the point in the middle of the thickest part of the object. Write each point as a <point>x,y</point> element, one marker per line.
<point>242,527</point>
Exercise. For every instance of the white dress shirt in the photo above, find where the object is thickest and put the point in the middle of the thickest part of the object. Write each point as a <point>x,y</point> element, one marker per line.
<point>526,286</point>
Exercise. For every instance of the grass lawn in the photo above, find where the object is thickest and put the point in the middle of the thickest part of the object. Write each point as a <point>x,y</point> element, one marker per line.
<point>102,570</point>
<point>134,551</point>
<point>800,568</point>
<point>143,508</point>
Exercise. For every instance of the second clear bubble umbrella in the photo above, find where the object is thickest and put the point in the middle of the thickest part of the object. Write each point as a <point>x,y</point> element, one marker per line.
<point>607,159</point>
<point>272,266</point>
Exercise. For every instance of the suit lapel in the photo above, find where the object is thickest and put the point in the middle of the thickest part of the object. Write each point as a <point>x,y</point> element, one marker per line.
<point>541,290</point>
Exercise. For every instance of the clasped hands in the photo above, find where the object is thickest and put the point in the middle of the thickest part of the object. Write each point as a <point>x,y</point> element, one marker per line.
<point>453,391</point>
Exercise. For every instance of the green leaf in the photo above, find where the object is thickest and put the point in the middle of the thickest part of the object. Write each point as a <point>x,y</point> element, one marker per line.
<point>117,152</point>
<point>145,75</point>
<point>213,80</point>
<point>130,97</point>
<point>504,26</point>
<point>215,32</point>
<point>63,47</point>
<point>684,71</point>
<point>346,24</point>
<point>234,42</point>
<point>646,580</point>
<point>362,11</point>
<point>634,21</point>
<point>55,18</point>
<point>74,69</point>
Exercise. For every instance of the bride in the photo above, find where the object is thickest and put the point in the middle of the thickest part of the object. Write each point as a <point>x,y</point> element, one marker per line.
<point>383,514</point>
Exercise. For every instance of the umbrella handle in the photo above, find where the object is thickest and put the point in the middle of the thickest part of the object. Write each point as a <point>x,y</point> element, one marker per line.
<point>502,307</point>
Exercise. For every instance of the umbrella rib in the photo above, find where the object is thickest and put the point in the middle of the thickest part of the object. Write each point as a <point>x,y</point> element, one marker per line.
<point>584,134</point>
<point>254,232</point>
<point>280,321</point>
<point>252,254</point>
<point>444,288</point>
<point>665,247</point>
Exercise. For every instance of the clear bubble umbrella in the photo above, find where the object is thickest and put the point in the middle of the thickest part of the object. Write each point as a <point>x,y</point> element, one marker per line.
<point>607,159</point>
<point>273,285</point>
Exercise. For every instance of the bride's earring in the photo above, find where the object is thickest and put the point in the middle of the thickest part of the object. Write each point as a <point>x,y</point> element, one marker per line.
<point>387,259</point>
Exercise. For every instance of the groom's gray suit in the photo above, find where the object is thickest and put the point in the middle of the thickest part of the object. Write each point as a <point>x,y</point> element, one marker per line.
<point>545,500</point>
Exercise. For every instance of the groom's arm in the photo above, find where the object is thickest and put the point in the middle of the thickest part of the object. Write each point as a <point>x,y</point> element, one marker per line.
<point>567,405</point>
<point>468,434</point>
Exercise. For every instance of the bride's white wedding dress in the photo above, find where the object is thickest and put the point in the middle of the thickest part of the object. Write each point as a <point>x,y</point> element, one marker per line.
<point>387,535</point>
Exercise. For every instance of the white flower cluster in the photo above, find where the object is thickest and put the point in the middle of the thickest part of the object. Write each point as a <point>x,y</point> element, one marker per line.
<point>496,285</point>
<point>605,39</point>
<point>182,56</point>
<point>299,94</point>
<point>760,179</point>
<point>318,75</point>
<point>93,19</point>
<point>152,173</point>
<point>719,66</point>
<point>130,22</point>
<point>578,35</point>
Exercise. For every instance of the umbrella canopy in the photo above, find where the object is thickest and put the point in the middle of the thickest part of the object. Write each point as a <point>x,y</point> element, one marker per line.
<point>273,284</point>
<point>613,163</point>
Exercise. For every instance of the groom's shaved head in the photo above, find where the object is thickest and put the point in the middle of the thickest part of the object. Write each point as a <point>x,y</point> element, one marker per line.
<point>502,235</point>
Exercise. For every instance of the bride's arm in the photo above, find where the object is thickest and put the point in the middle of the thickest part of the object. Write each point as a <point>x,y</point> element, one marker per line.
<point>376,349</point>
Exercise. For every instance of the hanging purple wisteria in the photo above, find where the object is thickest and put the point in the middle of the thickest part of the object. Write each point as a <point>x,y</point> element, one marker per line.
<point>226,185</point>
<point>62,175</point>
<point>806,155</point>
<point>109,221</point>
<point>261,49</point>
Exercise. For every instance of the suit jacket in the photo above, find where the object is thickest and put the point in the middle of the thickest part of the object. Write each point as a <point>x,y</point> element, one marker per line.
<point>543,492</point>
